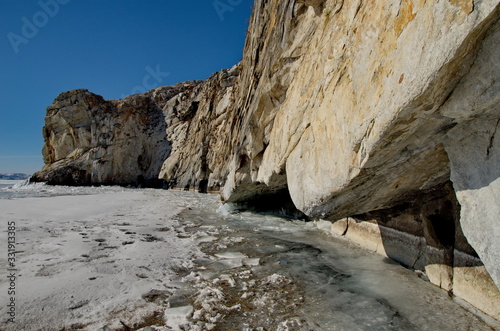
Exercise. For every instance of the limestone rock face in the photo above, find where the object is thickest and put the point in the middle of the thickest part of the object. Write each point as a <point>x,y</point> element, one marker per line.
<point>473,147</point>
<point>90,141</point>
<point>349,101</point>
<point>361,106</point>
<point>199,122</point>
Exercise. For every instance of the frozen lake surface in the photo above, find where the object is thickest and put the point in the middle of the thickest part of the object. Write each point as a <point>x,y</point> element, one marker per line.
<point>15,189</point>
<point>130,259</point>
<point>5,185</point>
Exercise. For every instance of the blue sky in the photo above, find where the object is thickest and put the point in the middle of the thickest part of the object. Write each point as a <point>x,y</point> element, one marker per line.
<point>108,47</point>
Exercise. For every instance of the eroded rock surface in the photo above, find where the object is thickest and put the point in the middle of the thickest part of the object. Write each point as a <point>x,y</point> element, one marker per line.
<point>199,122</point>
<point>91,141</point>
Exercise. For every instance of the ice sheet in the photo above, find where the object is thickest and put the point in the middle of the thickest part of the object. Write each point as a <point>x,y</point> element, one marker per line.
<point>106,258</point>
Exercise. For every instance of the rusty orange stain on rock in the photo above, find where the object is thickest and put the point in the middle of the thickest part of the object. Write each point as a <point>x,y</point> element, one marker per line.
<point>405,16</point>
<point>467,6</point>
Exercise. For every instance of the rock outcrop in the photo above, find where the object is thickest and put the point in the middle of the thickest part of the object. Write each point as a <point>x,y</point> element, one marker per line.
<point>91,141</point>
<point>378,117</point>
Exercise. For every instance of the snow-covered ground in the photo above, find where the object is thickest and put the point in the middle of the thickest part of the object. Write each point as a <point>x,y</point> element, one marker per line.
<point>130,259</point>
<point>15,189</point>
<point>92,260</point>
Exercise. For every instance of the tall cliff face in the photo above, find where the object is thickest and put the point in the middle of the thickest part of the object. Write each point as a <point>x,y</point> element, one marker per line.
<point>378,116</point>
<point>361,106</point>
<point>199,123</point>
<point>352,98</point>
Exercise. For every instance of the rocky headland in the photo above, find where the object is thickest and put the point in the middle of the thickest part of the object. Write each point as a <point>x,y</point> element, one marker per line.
<point>377,119</point>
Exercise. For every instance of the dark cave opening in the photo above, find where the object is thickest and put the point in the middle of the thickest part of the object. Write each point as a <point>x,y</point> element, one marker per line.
<point>278,202</point>
<point>442,223</point>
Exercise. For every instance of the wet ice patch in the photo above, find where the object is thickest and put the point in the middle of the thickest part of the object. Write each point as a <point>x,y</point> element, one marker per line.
<point>230,255</point>
<point>251,262</point>
<point>293,279</point>
<point>226,264</point>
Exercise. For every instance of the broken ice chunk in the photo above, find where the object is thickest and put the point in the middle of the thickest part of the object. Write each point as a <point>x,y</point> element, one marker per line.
<point>178,316</point>
<point>231,255</point>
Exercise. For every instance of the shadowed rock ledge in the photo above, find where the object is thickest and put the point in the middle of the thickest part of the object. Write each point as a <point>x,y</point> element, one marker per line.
<point>380,116</point>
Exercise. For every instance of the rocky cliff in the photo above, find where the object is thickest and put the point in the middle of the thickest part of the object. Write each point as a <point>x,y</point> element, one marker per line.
<point>379,117</point>
<point>91,141</point>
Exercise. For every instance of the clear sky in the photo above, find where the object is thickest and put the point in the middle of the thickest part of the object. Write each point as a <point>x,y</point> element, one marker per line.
<point>108,47</point>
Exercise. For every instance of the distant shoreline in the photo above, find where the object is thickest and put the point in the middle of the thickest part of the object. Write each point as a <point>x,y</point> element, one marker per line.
<point>14,176</point>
